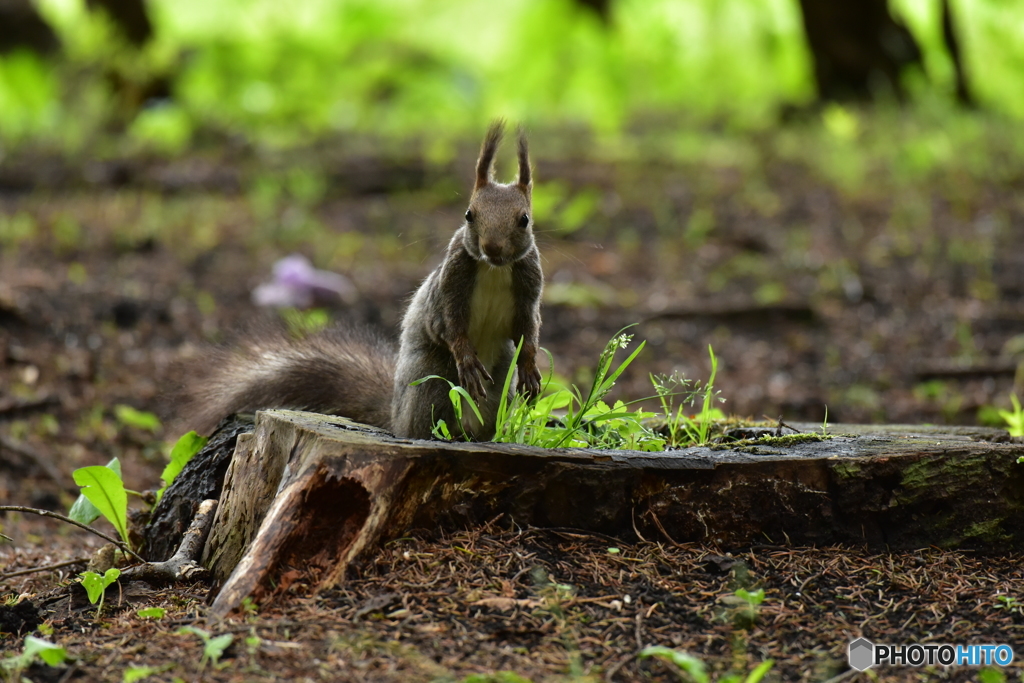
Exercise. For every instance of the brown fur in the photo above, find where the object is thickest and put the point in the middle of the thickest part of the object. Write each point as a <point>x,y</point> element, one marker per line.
<point>339,371</point>
<point>462,325</point>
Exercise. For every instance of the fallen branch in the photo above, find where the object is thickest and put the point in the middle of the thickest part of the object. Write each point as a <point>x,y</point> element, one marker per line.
<point>63,518</point>
<point>184,564</point>
<point>46,568</point>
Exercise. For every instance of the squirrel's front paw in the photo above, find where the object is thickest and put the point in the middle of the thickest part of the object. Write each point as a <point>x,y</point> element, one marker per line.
<point>472,378</point>
<point>529,380</point>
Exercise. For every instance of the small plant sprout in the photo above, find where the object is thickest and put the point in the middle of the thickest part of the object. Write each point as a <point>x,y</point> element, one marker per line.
<point>1009,603</point>
<point>744,606</point>
<point>1014,418</point>
<point>96,586</point>
<point>213,646</point>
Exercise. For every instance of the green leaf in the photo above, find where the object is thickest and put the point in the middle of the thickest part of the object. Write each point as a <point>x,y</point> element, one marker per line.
<point>991,676</point>
<point>755,598</point>
<point>1014,418</point>
<point>131,417</point>
<point>152,613</point>
<point>85,512</point>
<point>215,646</point>
<point>137,673</point>
<point>687,662</point>
<point>47,651</point>
<point>184,450</point>
<point>34,647</point>
<point>453,395</point>
<point>95,584</point>
<point>104,489</point>
<point>553,401</point>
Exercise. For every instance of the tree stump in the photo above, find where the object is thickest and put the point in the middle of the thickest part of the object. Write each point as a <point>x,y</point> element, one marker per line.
<point>307,494</point>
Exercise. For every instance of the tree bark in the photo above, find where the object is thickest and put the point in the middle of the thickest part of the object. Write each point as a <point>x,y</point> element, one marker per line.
<point>859,49</point>
<point>306,494</point>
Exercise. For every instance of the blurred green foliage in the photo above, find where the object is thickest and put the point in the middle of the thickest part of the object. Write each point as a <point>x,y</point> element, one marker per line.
<point>282,73</point>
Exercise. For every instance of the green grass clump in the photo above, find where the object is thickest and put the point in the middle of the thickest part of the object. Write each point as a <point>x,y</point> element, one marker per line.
<point>682,428</point>
<point>565,417</point>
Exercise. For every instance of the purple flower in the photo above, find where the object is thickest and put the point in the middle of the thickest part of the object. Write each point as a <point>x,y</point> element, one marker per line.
<point>298,284</point>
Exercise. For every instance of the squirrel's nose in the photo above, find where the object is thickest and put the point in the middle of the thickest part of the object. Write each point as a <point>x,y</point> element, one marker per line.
<point>493,250</point>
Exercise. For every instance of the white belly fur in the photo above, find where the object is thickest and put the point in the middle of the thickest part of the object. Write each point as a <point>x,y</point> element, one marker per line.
<point>490,314</point>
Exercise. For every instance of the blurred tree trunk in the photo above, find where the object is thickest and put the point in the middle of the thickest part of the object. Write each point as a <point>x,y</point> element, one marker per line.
<point>963,93</point>
<point>602,8</point>
<point>129,16</point>
<point>22,27</point>
<point>860,49</point>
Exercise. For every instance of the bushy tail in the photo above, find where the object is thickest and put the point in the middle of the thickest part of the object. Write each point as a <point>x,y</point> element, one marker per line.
<point>339,371</point>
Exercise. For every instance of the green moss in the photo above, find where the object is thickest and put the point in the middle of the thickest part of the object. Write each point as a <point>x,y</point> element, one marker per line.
<point>792,439</point>
<point>847,469</point>
<point>928,470</point>
<point>751,445</point>
<point>988,532</point>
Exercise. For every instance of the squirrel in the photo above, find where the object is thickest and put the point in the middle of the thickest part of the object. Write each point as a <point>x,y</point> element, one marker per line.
<point>463,324</point>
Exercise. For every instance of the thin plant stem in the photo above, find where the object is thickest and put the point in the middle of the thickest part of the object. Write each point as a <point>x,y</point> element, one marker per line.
<point>63,518</point>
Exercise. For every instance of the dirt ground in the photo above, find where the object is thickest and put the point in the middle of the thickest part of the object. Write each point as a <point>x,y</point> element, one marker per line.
<point>882,306</point>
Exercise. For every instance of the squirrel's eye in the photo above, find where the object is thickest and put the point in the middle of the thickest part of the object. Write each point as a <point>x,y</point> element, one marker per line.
<point>524,220</point>
<point>469,215</point>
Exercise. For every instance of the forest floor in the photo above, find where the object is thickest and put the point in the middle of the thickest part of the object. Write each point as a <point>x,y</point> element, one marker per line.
<point>887,300</point>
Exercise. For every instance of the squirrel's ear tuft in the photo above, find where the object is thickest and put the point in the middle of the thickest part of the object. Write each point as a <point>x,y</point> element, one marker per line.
<point>525,179</point>
<point>490,146</point>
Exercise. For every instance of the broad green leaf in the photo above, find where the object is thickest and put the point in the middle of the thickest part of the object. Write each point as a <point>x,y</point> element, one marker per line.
<point>84,511</point>
<point>184,450</point>
<point>47,651</point>
<point>104,489</point>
